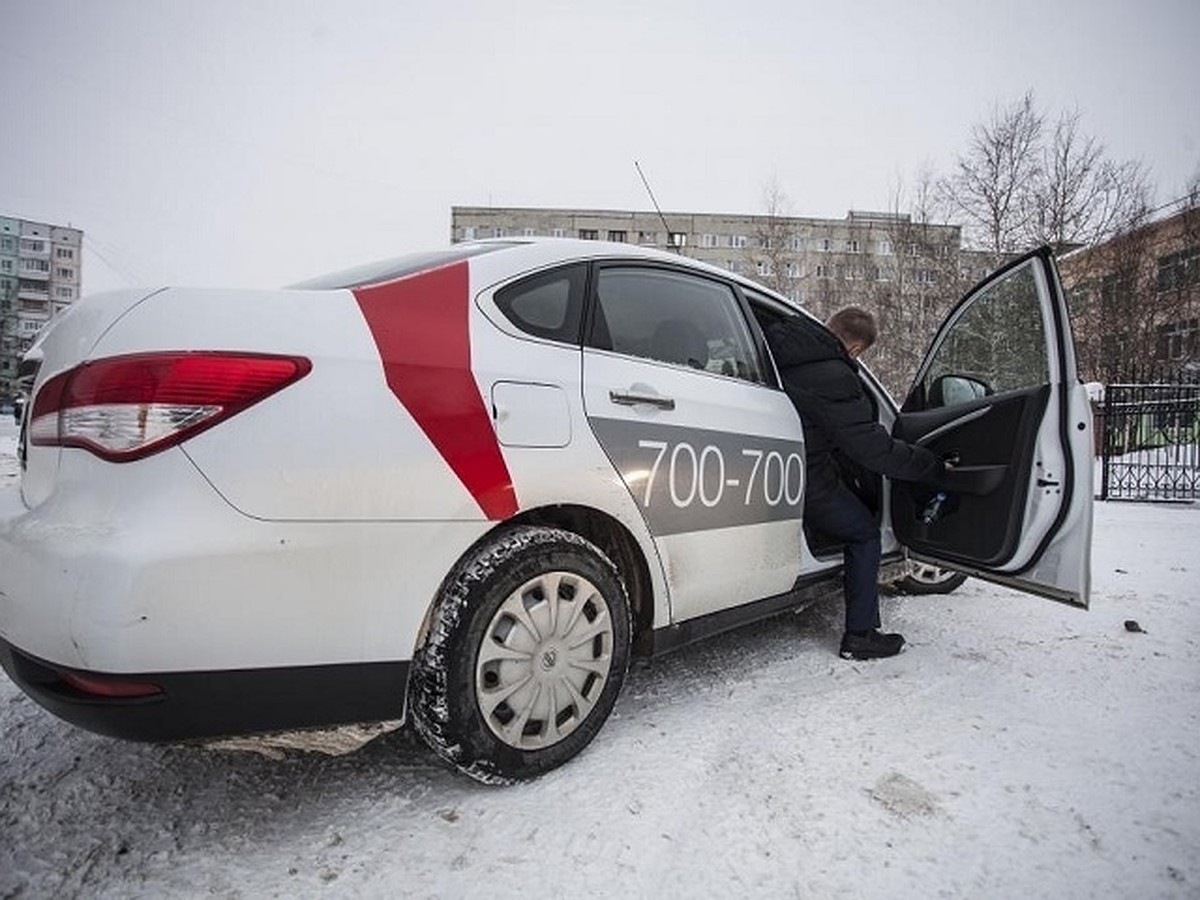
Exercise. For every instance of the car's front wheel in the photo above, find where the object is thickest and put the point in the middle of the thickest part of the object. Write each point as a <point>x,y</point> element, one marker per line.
<point>526,653</point>
<point>925,578</point>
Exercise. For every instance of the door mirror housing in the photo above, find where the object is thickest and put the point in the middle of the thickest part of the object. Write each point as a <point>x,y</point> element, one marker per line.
<point>951,390</point>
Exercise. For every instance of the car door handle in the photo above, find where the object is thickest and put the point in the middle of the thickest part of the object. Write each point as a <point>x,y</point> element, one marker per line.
<point>631,398</point>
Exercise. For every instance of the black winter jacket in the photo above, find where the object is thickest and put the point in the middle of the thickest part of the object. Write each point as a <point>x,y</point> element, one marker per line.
<point>823,384</point>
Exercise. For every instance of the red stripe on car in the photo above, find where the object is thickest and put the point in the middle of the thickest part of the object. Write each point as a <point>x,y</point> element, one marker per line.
<point>420,325</point>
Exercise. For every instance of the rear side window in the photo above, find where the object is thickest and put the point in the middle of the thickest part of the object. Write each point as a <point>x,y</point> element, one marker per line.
<point>675,318</point>
<point>547,305</point>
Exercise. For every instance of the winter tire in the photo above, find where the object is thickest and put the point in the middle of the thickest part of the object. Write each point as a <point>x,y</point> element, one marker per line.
<point>924,578</point>
<point>527,650</point>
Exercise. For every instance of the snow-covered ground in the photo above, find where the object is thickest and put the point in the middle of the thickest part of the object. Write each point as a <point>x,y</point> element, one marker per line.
<point>1018,748</point>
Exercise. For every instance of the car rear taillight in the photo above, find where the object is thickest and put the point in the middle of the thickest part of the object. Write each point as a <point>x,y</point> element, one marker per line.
<point>127,407</point>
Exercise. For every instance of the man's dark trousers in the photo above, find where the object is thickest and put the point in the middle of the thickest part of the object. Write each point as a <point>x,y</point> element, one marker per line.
<point>837,512</point>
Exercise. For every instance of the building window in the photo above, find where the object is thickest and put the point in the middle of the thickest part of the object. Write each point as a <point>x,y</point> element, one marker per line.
<point>35,265</point>
<point>589,234</point>
<point>559,232</point>
<point>63,293</point>
<point>764,267</point>
<point>64,272</point>
<point>529,232</point>
<point>708,241</point>
<point>824,271</point>
<point>796,243</point>
<point>32,246</point>
<point>7,243</point>
<point>617,236</point>
<point>826,245</point>
<point>64,253</point>
<point>468,233</point>
<point>795,270</point>
<point>1178,341</point>
<point>796,296</point>
<point>6,265</point>
<point>677,239</point>
<point>737,241</point>
<point>1178,270</point>
<point>853,246</point>
<point>883,247</point>
<point>647,237</point>
<point>883,273</point>
<point>926,276</point>
<point>733,265</point>
<point>499,231</point>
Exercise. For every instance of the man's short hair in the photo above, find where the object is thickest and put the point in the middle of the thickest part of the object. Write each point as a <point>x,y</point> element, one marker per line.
<point>854,326</point>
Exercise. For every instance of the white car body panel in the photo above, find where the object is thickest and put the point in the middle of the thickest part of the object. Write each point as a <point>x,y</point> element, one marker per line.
<point>701,572</point>
<point>1052,553</point>
<point>151,570</point>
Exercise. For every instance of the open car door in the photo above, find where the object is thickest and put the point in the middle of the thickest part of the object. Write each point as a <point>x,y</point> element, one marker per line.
<point>999,391</point>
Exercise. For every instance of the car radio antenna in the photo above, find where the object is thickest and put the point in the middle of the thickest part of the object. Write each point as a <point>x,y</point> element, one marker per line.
<point>657,209</point>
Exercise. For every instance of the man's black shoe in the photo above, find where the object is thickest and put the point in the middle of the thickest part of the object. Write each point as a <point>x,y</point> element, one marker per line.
<point>870,644</point>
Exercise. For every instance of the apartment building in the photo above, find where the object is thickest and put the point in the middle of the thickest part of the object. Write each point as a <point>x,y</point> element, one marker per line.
<point>40,275</point>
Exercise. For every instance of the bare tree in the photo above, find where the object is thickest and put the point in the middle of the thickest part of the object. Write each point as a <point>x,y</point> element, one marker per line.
<point>1081,197</point>
<point>916,281</point>
<point>1020,184</point>
<point>992,186</point>
<point>773,254</point>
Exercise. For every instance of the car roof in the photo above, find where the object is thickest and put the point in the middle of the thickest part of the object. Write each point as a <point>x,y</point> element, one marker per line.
<point>500,258</point>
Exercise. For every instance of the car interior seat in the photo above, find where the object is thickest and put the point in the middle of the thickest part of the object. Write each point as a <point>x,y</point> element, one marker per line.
<point>679,341</point>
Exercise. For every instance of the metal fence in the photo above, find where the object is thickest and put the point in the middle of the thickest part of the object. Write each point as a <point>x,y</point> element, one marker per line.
<point>1151,440</point>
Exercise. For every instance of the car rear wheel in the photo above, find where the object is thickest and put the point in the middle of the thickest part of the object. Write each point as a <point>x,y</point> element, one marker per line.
<point>925,578</point>
<point>527,650</point>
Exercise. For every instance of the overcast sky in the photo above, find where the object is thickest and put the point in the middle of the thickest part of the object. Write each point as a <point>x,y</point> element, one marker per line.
<point>257,143</point>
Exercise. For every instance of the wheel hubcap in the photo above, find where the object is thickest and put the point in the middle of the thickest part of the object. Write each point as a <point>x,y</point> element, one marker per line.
<point>544,660</point>
<point>929,574</point>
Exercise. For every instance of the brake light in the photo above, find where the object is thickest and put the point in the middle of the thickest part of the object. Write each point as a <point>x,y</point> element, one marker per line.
<point>107,686</point>
<point>127,407</point>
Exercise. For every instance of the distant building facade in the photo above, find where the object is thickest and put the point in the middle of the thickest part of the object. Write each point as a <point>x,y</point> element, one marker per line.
<point>40,275</point>
<point>1135,300</point>
<point>908,273</point>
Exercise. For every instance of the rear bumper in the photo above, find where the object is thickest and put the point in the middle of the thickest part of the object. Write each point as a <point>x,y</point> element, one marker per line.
<point>214,704</point>
<point>145,568</point>
<point>144,573</point>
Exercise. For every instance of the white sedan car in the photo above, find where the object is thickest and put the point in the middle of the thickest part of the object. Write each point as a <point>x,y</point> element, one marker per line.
<point>465,486</point>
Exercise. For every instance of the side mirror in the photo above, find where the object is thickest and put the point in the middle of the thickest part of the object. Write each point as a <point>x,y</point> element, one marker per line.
<point>951,390</point>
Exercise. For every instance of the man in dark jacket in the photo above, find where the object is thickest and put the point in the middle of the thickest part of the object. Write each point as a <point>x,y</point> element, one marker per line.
<point>820,375</point>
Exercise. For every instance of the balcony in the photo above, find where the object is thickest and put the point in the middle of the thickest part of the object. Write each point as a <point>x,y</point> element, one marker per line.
<point>28,292</point>
<point>35,269</point>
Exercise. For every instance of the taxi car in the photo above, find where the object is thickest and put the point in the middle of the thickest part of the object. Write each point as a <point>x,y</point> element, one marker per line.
<point>535,458</point>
